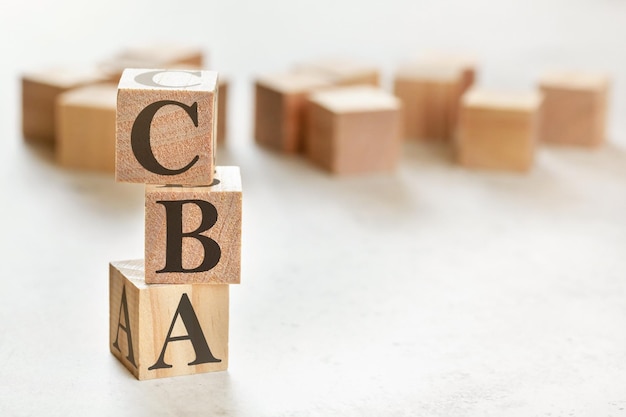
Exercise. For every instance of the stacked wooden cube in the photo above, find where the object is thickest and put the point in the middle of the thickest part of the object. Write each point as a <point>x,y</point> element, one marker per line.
<point>169,312</point>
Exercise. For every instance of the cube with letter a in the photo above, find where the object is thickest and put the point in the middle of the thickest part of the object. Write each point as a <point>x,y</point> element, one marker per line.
<point>193,233</point>
<point>159,331</point>
<point>165,128</point>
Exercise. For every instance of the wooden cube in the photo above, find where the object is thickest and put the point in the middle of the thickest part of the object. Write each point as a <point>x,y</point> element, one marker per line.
<point>222,108</point>
<point>343,71</point>
<point>86,127</point>
<point>498,130</point>
<point>354,130</point>
<point>193,234</point>
<point>575,108</point>
<point>166,126</point>
<point>160,331</point>
<point>39,93</point>
<point>156,55</point>
<point>280,109</point>
<point>430,94</point>
<point>467,64</point>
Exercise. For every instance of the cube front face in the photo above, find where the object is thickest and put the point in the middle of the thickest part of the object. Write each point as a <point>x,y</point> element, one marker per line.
<point>430,107</point>
<point>497,139</point>
<point>367,142</point>
<point>86,130</point>
<point>160,331</point>
<point>38,110</point>
<point>165,126</point>
<point>193,234</point>
<point>576,117</point>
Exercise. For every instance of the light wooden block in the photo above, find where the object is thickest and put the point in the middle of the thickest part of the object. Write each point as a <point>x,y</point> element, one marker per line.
<point>498,130</point>
<point>166,126</point>
<point>222,108</point>
<point>354,130</point>
<point>40,90</point>
<point>193,234</point>
<point>154,55</point>
<point>86,127</point>
<point>467,64</point>
<point>343,71</point>
<point>430,94</point>
<point>280,109</point>
<point>575,108</point>
<point>160,331</point>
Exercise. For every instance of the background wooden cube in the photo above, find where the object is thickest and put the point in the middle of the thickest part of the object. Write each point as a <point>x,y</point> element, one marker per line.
<point>86,127</point>
<point>182,148</point>
<point>280,109</point>
<point>39,93</point>
<point>354,130</point>
<point>220,224</point>
<point>145,321</point>
<point>575,108</point>
<point>222,110</point>
<point>343,71</point>
<point>154,55</point>
<point>467,64</point>
<point>430,94</point>
<point>498,130</point>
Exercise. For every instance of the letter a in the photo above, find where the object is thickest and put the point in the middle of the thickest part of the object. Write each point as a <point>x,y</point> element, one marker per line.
<point>194,335</point>
<point>125,328</point>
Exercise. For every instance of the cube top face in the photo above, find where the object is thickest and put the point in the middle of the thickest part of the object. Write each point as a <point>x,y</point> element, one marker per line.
<point>521,101</point>
<point>577,81</point>
<point>166,123</point>
<point>161,331</point>
<point>294,82</point>
<point>356,99</point>
<point>96,96</point>
<point>342,70</point>
<point>430,71</point>
<point>193,234</point>
<point>65,78</point>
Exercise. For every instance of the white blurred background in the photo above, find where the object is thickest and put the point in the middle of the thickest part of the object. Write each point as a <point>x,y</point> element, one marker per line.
<point>434,291</point>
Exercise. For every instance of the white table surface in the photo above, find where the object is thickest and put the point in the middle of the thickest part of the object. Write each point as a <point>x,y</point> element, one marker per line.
<point>433,291</point>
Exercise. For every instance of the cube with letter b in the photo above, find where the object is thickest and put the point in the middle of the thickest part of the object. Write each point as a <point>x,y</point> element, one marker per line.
<point>166,121</point>
<point>193,233</point>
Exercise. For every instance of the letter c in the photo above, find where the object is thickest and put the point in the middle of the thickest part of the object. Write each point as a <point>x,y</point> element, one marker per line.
<point>147,78</point>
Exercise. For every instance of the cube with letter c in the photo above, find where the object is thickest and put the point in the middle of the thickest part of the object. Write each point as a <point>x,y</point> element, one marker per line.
<point>165,126</point>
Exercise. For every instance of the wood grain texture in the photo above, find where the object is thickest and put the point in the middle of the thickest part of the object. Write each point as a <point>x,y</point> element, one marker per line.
<point>222,108</point>
<point>151,311</point>
<point>343,71</point>
<point>430,93</point>
<point>40,90</point>
<point>226,197</point>
<point>280,109</point>
<point>85,127</point>
<point>354,130</point>
<point>575,108</point>
<point>175,141</point>
<point>498,130</point>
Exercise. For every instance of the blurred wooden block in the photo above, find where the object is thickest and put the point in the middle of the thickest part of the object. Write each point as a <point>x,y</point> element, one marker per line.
<point>430,94</point>
<point>193,234</point>
<point>342,71</point>
<point>354,130</point>
<point>222,108</point>
<point>575,108</point>
<point>166,126</point>
<point>86,127</point>
<point>160,331</point>
<point>154,55</point>
<point>498,130</point>
<point>466,64</point>
<point>39,93</point>
<point>280,109</point>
